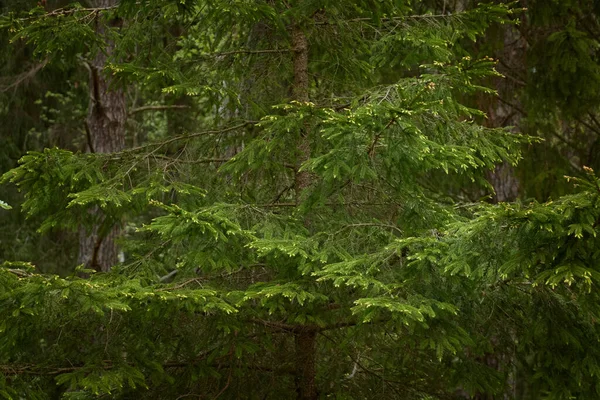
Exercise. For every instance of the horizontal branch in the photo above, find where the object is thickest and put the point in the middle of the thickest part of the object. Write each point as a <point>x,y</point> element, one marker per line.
<point>158,145</point>
<point>293,328</point>
<point>68,11</point>
<point>351,203</point>
<point>281,326</point>
<point>246,51</point>
<point>53,370</point>
<point>204,133</point>
<point>33,369</point>
<point>155,108</point>
<point>395,19</point>
<point>370,224</point>
<point>198,161</point>
<point>19,272</point>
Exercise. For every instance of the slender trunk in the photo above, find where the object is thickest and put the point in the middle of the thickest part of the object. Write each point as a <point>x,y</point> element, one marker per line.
<point>507,112</point>
<point>105,123</point>
<point>300,94</point>
<point>306,340</point>
<point>505,182</point>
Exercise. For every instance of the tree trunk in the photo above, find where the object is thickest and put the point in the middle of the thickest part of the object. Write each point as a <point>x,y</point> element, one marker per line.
<point>506,110</point>
<point>305,340</point>
<point>306,351</point>
<point>300,94</point>
<point>105,124</point>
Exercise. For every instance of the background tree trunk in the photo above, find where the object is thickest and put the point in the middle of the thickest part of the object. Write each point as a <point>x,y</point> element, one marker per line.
<point>506,109</point>
<point>105,125</point>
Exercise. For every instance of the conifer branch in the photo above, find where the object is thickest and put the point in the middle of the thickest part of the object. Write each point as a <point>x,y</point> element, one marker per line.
<point>199,161</point>
<point>246,51</point>
<point>355,360</point>
<point>349,203</point>
<point>157,108</point>
<point>282,326</point>
<point>397,19</point>
<point>38,370</point>
<point>373,224</point>
<point>160,144</point>
<point>70,11</point>
<point>19,272</point>
<point>33,369</point>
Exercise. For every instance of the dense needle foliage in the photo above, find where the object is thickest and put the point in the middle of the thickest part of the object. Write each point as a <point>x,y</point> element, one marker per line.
<point>302,211</point>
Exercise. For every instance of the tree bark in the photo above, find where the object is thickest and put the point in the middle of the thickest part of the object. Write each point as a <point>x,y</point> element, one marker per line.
<point>306,352</point>
<point>105,125</point>
<point>507,112</point>
<point>300,94</point>
<point>305,340</point>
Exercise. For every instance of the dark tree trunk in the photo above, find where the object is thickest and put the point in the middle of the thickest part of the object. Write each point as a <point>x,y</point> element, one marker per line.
<point>505,183</point>
<point>506,110</point>
<point>300,94</point>
<point>305,340</point>
<point>306,351</point>
<point>105,124</point>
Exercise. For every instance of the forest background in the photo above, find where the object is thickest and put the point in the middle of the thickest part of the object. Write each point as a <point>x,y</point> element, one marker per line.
<point>302,198</point>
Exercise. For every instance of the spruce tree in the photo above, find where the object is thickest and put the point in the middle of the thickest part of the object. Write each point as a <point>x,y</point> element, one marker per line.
<point>296,242</point>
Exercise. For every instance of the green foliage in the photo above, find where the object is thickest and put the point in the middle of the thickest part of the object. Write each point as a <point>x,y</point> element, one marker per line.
<point>536,265</point>
<point>564,68</point>
<point>229,261</point>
